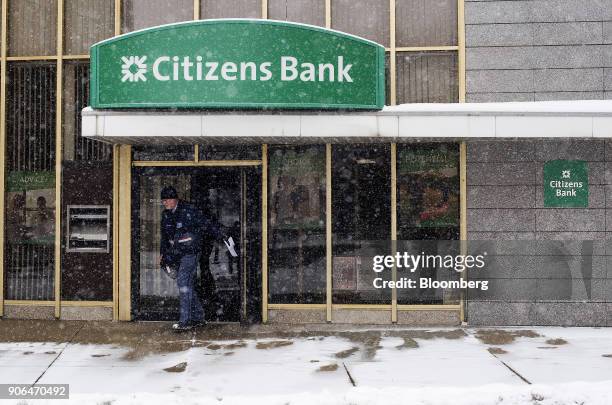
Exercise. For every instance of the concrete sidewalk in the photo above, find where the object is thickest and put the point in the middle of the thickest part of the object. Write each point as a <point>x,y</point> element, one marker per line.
<point>222,361</point>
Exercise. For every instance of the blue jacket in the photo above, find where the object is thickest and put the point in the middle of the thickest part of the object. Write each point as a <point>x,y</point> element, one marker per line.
<point>182,230</point>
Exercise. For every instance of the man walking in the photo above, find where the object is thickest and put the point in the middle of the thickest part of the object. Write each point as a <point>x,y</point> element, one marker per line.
<point>182,227</point>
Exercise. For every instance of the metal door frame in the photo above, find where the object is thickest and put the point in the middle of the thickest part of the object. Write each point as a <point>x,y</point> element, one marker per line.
<point>122,194</point>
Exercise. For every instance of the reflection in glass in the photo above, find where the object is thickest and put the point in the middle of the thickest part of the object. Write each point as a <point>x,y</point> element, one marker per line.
<point>230,152</point>
<point>427,77</point>
<point>303,11</point>
<point>361,213</point>
<point>365,18</point>
<point>230,287</point>
<point>30,182</point>
<point>33,27</point>
<point>426,22</point>
<point>153,283</point>
<point>74,99</point>
<point>230,9</point>
<point>163,152</point>
<point>427,209</point>
<point>297,224</point>
<point>87,22</point>
<point>139,14</point>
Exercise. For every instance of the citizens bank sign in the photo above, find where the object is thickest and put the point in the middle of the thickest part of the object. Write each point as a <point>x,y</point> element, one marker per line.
<point>566,183</point>
<point>237,63</point>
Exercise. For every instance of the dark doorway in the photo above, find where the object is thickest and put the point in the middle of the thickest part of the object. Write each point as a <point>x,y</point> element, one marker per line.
<point>230,287</point>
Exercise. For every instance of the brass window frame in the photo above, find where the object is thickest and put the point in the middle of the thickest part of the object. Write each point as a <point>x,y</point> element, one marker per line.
<point>393,306</point>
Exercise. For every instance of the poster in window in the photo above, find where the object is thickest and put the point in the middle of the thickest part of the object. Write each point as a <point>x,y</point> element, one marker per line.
<point>30,213</point>
<point>296,188</point>
<point>428,183</point>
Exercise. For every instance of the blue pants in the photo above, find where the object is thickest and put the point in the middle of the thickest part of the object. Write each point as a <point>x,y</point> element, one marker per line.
<point>191,308</point>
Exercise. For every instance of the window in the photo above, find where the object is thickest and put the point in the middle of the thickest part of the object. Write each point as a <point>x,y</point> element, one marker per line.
<point>230,152</point>
<point>230,9</point>
<point>87,22</point>
<point>32,27</point>
<point>30,181</point>
<point>428,191</point>
<point>297,224</point>
<point>163,152</point>
<point>427,77</point>
<point>139,14</point>
<point>428,213</point>
<point>364,18</point>
<point>75,98</point>
<point>361,216</point>
<point>302,11</point>
<point>425,22</point>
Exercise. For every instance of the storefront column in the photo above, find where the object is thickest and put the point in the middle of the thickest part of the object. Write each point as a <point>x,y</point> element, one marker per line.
<point>58,159</point>
<point>328,232</point>
<point>196,9</point>
<point>2,147</point>
<point>394,228</point>
<point>124,233</point>
<point>393,101</point>
<point>461,51</point>
<point>392,55</point>
<point>462,150</point>
<point>116,201</point>
<point>117,17</point>
<point>115,225</point>
<point>264,233</point>
<point>463,218</point>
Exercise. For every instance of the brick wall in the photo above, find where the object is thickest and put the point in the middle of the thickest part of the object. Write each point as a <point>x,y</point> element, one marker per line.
<point>540,282</point>
<point>533,50</point>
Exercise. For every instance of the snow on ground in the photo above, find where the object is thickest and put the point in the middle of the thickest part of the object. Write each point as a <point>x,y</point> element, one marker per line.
<point>383,366</point>
<point>574,394</point>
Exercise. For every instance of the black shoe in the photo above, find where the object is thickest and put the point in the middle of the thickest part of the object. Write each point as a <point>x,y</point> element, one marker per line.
<point>179,327</point>
<point>198,324</point>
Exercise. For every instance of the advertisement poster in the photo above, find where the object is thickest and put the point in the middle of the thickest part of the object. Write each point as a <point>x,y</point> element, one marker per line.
<point>30,207</point>
<point>296,188</point>
<point>428,178</point>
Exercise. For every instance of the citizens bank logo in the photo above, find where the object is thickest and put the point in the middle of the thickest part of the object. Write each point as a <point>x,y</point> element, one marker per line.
<point>566,174</point>
<point>189,68</point>
<point>133,68</point>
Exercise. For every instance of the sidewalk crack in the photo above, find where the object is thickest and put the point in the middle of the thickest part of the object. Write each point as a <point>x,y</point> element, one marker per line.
<point>349,375</point>
<point>470,332</point>
<point>59,354</point>
<point>511,369</point>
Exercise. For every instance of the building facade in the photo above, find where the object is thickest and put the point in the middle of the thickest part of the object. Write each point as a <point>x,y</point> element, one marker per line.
<point>308,194</point>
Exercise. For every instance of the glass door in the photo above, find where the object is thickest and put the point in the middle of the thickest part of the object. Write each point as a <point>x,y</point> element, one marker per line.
<point>230,287</point>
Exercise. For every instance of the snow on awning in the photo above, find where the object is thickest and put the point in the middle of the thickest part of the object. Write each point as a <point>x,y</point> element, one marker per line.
<point>558,119</point>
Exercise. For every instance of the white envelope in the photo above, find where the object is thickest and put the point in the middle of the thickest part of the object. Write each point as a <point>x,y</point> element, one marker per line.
<point>229,243</point>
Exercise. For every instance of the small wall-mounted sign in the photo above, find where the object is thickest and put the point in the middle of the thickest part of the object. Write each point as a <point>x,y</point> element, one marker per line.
<point>566,183</point>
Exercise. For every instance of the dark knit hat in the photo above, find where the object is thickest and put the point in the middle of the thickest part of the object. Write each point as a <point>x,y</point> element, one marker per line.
<point>168,193</point>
